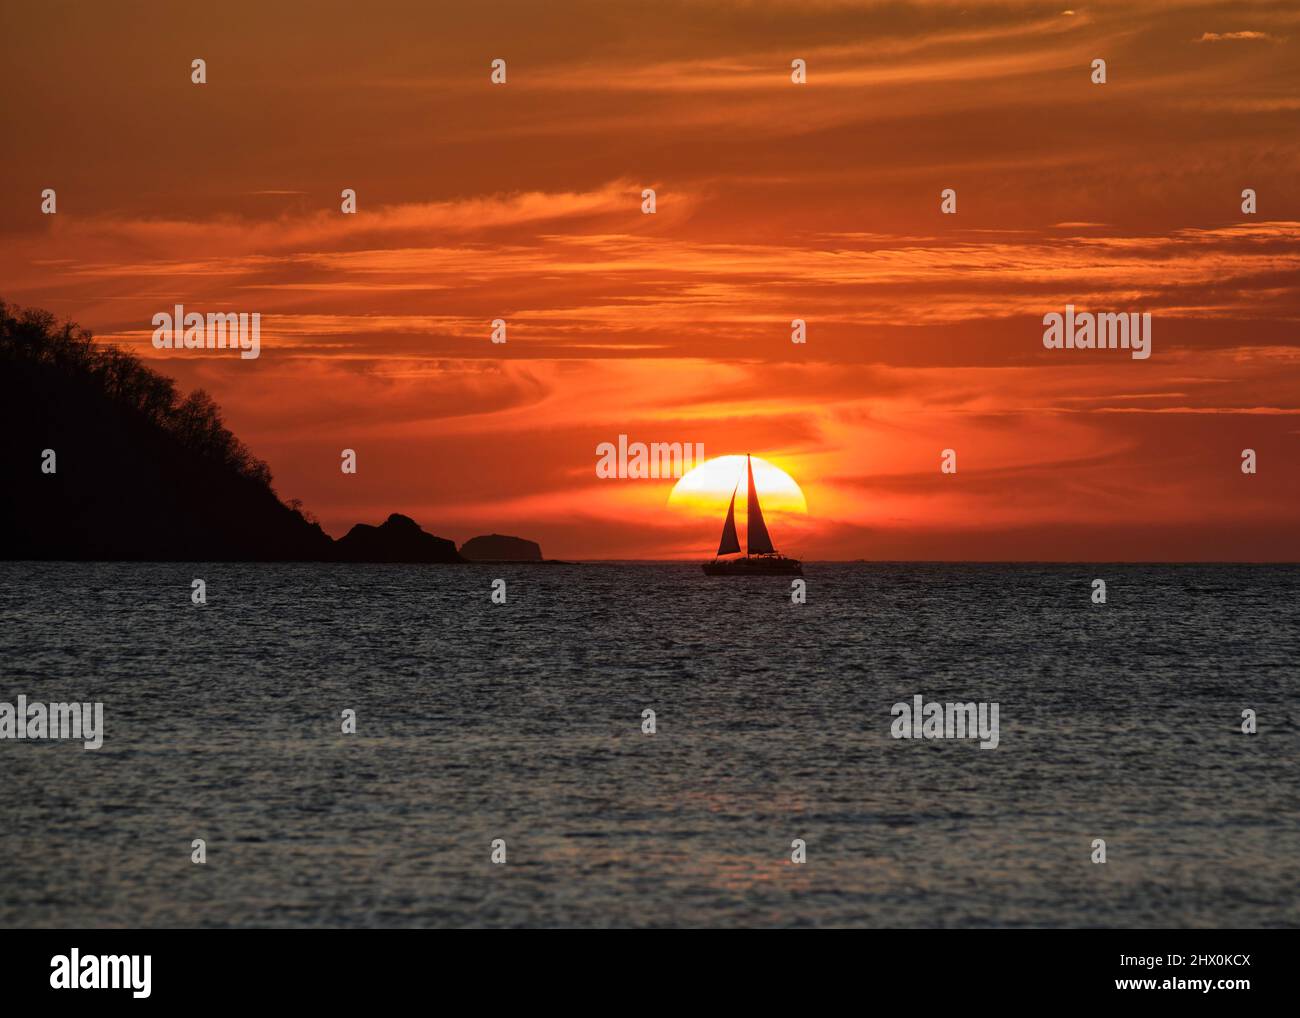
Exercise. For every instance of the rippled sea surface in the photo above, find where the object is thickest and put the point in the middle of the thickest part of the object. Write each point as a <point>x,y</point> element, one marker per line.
<point>523,722</point>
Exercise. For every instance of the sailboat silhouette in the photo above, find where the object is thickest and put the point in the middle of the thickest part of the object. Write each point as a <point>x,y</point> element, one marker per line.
<point>761,558</point>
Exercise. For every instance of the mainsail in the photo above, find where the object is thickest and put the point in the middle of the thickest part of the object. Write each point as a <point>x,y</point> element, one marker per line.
<point>730,540</point>
<point>758,540</point>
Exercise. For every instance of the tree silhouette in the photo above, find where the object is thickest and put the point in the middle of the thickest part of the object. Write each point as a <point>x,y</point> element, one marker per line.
<point>34,335</point>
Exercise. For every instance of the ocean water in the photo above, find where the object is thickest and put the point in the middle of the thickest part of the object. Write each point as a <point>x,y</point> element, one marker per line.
<point>522,722</point>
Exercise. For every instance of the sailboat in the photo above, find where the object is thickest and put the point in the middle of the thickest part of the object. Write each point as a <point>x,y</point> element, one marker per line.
<point>760,559</point>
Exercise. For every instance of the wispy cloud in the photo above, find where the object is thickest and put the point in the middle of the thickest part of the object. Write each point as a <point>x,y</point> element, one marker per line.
<point>1238,37</point>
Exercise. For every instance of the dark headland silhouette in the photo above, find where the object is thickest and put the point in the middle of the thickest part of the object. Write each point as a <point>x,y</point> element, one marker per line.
<point>103,459</point>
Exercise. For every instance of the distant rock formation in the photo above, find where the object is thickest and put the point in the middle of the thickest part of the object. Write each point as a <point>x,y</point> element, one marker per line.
<point>500,548</point>
<point>397,539</point>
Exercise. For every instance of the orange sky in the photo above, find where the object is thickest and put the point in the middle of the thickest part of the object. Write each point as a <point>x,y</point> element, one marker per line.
<point>775,201</point>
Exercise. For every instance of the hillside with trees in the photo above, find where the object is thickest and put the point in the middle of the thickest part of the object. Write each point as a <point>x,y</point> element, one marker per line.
<point>139,470</point>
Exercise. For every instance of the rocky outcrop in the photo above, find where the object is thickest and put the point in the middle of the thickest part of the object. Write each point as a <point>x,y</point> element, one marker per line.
<point>398,539</point>
<point>501,548</point>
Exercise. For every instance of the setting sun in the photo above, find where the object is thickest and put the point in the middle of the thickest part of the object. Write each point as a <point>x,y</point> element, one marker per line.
<point>708,487</point>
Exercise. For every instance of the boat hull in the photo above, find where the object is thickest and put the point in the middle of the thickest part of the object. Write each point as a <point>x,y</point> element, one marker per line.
<point>776,565</point>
